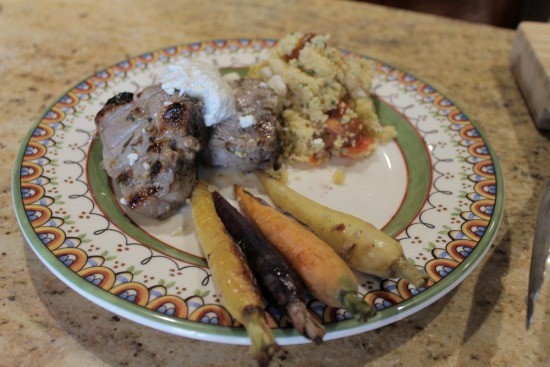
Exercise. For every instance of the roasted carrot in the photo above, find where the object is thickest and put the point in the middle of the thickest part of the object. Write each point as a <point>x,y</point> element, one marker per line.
<point>359,243</point>
<point>231,274</point>
<point>277,278</point>
<point>326,276</point>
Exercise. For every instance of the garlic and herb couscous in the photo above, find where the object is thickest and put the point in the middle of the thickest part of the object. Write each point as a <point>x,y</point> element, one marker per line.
<point>328,110</point>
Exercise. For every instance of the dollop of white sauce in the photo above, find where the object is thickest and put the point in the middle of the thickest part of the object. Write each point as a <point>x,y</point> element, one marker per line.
<point>202,80</point>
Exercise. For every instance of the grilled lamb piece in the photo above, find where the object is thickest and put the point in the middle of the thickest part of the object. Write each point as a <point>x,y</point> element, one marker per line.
<point>151,142</point>
<point>253,147</point>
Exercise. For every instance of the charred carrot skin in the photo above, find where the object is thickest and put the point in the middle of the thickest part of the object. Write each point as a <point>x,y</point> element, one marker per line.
<point>325,274</point>
<point>232,276</point>
<point>359,243</point>
<point>277,278</point>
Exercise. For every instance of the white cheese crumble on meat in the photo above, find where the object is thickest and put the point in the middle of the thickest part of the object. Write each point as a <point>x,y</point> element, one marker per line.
<point>132,158</point>
<point>247,121</point>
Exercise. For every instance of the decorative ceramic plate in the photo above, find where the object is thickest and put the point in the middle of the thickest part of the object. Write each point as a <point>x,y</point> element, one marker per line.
<point>437,188</point>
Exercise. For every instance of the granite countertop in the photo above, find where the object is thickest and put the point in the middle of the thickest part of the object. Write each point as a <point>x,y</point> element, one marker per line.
<point>48,46</point>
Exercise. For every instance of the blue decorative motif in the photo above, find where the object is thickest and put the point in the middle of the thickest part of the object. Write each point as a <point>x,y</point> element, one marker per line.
<point>38,132</point>
<point>33,215</point>
<point>472,133</point>
<point>488,209</point>
<point>490,169</point>
<point>124,64</point>
<point>209,320</point>
<point>67,260</point>
<point>491,189</point>
<point>93,279</point>
<point>444,270</point>
<point>83,86</point>
<point>171,50</point>
<point>103,74</point>
<point>44,238</point>
<point>409,78</point>
<point>482,150</point>
<point>479,230</point>
<point>25,193</point>
<point>121,278</point>
<point>92,262</point>
<point>147,56</point>
<point>382,304</point>
<point>427,89</point>
<point>30,150</point>
<point>167,310</point>
<point>346,315</point>
<point>465,251</point>
<point>70,243</point>
<point>131,297</point>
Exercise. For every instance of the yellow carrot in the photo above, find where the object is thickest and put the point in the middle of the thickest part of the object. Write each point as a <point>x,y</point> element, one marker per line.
<point>359,243</point>
<point>231,274</point>
<point>326,276</point>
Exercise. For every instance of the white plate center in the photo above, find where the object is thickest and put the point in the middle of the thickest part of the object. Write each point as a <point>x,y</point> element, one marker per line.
<point>372,189</point>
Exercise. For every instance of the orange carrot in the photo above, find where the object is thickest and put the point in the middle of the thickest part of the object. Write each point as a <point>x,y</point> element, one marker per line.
<point>326,276</point>
<point>362,246</point>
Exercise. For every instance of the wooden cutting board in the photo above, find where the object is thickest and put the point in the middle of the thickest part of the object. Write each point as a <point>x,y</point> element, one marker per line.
<point>530,64</point>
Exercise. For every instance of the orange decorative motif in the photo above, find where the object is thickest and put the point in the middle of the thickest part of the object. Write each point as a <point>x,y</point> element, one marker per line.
<point>99,276</point>
<point>177,306</point>
<point>133,292</point>
<point>212,314</point>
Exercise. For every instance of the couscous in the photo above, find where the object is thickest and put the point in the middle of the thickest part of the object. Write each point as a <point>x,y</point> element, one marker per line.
<point>328,110</point>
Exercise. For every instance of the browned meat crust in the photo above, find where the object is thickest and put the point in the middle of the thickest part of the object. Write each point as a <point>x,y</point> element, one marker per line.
<point>253,147</point>
<point>150,146</point>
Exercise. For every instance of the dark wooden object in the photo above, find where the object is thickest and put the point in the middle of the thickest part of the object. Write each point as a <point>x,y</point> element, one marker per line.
<point>500,13</point>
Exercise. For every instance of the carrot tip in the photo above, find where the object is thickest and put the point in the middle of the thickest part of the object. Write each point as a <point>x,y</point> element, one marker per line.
<point>404,269</point>
<point>263,344</point>
<point>305,323</point>
<point>360,310</point>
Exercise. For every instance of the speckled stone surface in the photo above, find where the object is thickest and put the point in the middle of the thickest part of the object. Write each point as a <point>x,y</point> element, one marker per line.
<point>46,47</point>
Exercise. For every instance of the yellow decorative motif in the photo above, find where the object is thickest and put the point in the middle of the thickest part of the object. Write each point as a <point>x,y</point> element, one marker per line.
<point>212,311</point>
<point>437,269</point>
<point>53,116</point>
<point>478,205</point>
<point>41,216</point>
<point>36,192</point>
<point>77,256</point>
<point>374,297</point>
<point>69,100</point>
<point>139,292</point>
<point>55,236</point>
<point>39,150</point>
<point>180,307</point>
<point>483,169</point>
<point>102,277</point>
<point>484,188</point>
<point>48,132</point>
<point>33,171</point>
